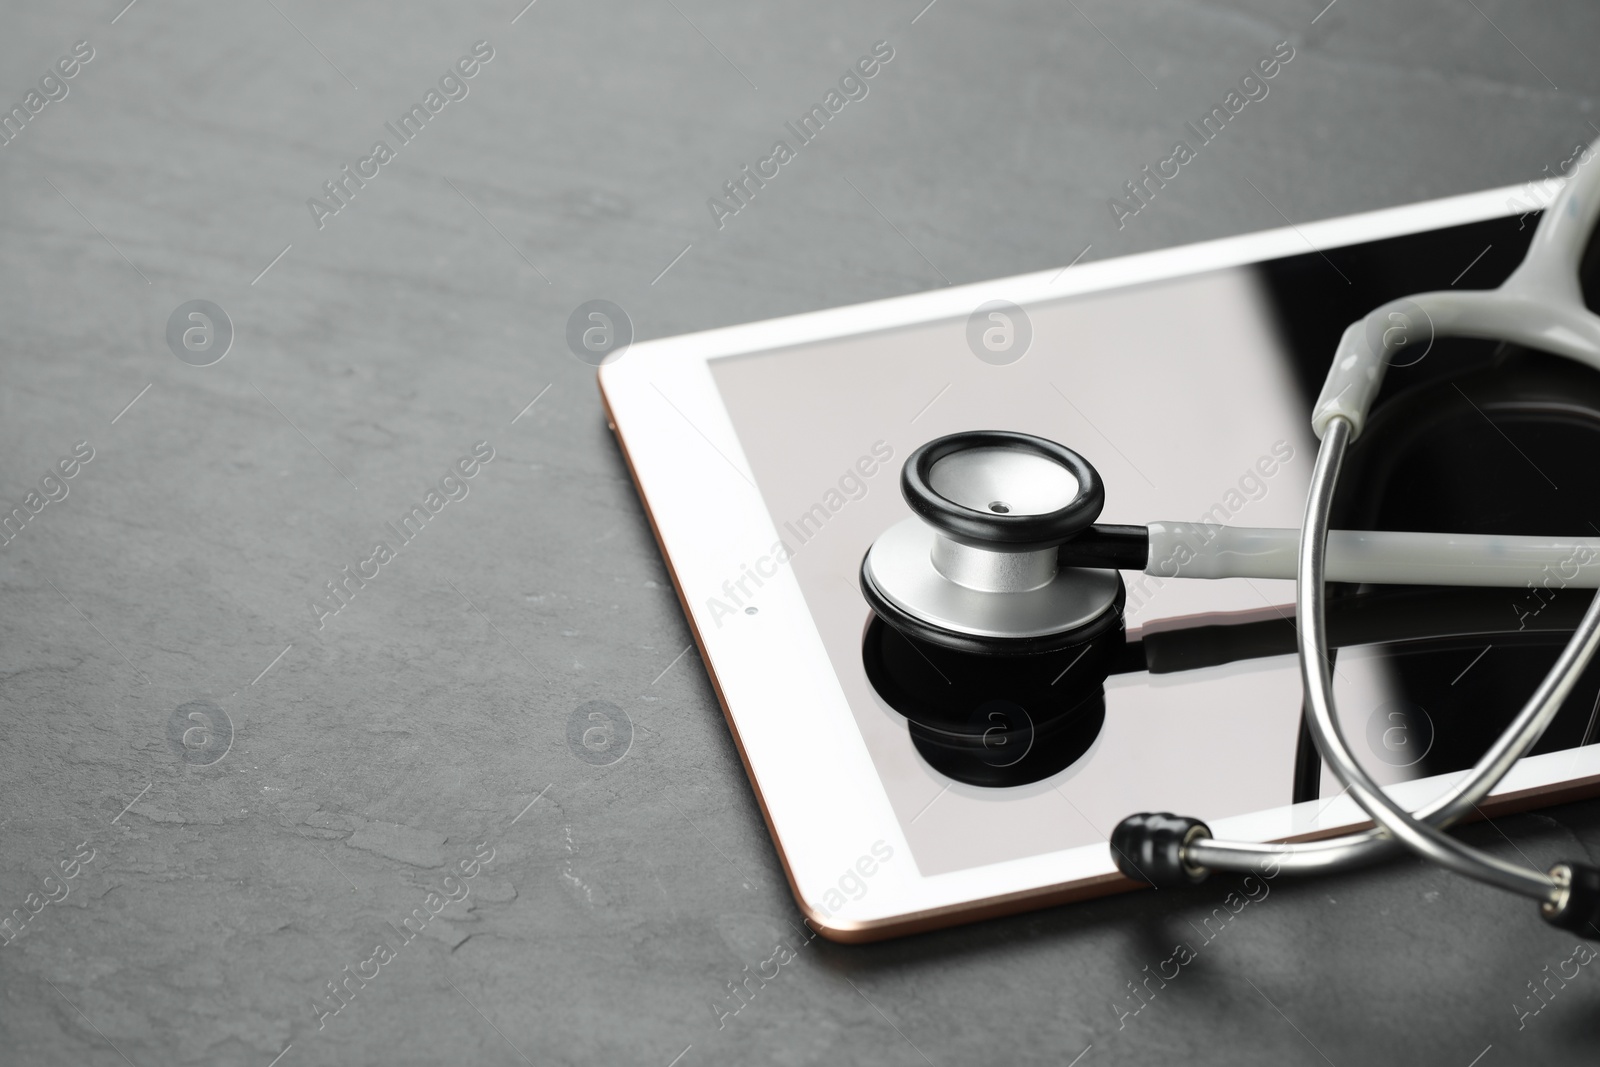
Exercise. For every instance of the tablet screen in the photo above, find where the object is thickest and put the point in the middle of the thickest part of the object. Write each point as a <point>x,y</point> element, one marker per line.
<point>1191,396</point>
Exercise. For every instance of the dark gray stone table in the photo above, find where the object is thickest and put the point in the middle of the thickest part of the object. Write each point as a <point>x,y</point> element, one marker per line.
<point>256,795</point>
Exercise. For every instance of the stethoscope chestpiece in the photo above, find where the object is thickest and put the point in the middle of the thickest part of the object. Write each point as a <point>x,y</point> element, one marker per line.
<point>976,569</point>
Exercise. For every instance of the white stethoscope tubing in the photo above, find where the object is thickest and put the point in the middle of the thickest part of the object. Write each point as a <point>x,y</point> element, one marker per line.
<point>1540,306</point>
<point>1547,564</point>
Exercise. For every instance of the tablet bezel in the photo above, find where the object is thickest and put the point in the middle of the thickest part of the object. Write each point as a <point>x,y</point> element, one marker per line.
<point>828,814</point>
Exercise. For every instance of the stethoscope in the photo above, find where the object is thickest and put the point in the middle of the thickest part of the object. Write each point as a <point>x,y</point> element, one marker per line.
<point>1003,568</point>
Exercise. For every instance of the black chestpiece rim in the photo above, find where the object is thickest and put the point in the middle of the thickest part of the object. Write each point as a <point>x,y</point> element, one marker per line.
<point>1149,848</point>
<point>981,529</point>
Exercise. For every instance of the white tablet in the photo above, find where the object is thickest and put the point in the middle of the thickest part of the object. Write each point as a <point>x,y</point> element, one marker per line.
<point>768,458</point>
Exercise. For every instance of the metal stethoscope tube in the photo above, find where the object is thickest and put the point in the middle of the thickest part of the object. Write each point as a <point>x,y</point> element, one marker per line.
<point>1540,305</point>
<point>1423,831</point>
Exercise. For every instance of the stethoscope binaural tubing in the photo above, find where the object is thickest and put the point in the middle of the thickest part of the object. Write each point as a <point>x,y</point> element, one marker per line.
<point>1540,305</point>
<point>960,585</point>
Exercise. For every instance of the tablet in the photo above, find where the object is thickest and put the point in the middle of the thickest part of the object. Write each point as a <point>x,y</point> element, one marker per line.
<point>768,459</point>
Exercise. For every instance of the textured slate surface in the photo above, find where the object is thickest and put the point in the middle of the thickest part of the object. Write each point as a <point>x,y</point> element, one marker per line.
<point>420,720</point>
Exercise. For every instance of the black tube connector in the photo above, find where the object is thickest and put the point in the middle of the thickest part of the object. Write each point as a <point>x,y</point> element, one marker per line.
<point>1579,910</point>
<point>1109,547</point>
<point>1149,848</point>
